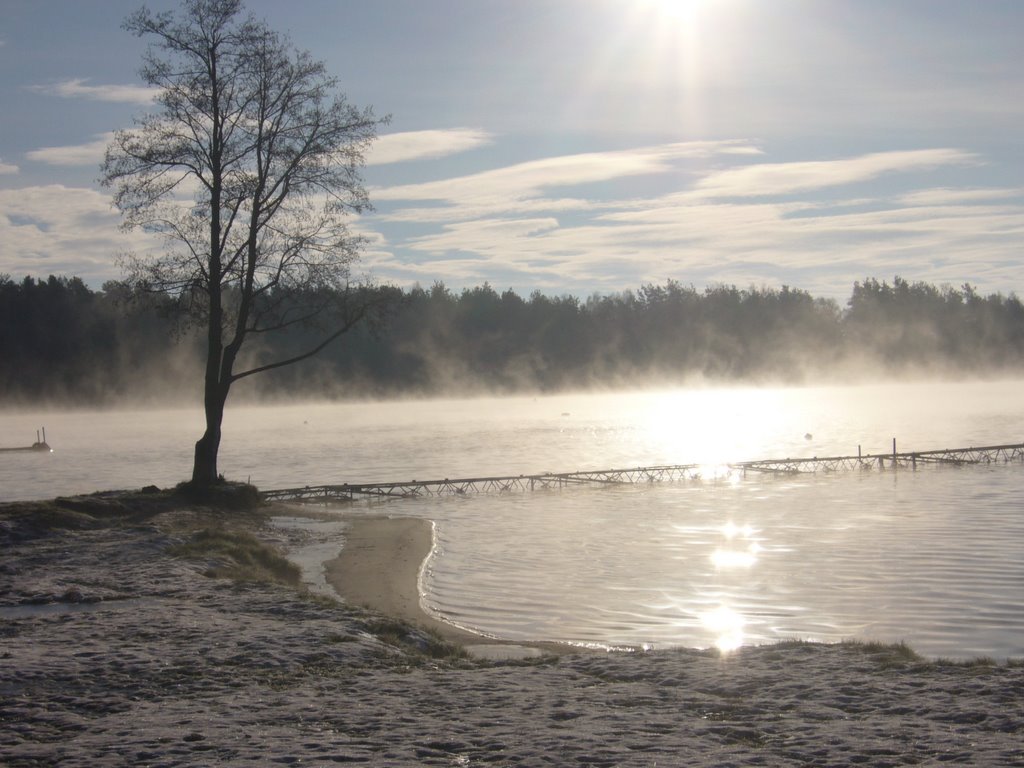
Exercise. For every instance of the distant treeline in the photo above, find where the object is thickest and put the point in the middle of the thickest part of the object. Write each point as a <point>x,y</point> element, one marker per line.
<point>62,341</point>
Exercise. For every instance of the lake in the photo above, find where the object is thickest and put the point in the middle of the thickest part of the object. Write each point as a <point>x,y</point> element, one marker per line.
<point>934,557</point>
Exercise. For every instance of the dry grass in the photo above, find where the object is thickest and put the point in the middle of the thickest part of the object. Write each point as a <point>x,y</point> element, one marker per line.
<point>411,638</point>
<point>238,555</point>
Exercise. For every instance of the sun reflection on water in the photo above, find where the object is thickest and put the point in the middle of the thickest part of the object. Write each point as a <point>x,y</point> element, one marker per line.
<point>727,626</point>
<point>719,564</point>
<point>741,552</point>
<point>719,473</point>
<point>725,558</point>
<point>730,530</point>
<point>715,426</point>
<point>729,558</point>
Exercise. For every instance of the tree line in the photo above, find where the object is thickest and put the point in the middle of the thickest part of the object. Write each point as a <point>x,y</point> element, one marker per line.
<point>61,341</point>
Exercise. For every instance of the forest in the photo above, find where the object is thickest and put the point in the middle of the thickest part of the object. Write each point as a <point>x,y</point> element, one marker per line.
<point>64,343</point>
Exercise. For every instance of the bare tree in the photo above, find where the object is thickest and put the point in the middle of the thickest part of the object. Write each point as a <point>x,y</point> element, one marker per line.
<point>249,168</point>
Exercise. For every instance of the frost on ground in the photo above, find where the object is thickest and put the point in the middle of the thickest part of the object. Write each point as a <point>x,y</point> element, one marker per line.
<point>116,651</point>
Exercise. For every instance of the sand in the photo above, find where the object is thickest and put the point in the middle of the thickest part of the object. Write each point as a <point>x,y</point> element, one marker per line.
<point>380,567</point>
<point>114,652</point>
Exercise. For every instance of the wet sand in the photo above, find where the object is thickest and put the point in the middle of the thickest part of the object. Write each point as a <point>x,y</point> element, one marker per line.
<point>115,652</point>
<point>379,568</point>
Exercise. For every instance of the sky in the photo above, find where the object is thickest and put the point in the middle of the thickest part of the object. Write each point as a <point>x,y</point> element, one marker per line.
<point>588,146</point>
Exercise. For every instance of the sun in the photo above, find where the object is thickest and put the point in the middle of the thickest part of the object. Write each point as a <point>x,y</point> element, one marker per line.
<point>678,11</point>
<point>681,38</point>
<point>660,62</point>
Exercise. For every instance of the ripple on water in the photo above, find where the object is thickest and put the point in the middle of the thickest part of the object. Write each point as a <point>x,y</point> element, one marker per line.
<point>936,560</point>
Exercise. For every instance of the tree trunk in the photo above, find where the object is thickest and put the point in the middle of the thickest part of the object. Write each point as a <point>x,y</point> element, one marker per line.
<point>204,468</point>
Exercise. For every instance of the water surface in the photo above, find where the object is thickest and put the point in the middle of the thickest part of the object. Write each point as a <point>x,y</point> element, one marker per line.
<point>933,557</point>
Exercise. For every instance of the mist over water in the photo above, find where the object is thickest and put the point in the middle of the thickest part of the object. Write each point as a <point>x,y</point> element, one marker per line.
<point>933,557</point>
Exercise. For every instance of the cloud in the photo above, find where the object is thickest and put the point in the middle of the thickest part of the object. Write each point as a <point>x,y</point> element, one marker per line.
<point>78,88</point>
<point>55,229</point>
<point>480,235</point>
<point>7,169</point>
<point>90,153</point>
<point>946,195</point>
<point>482,209</point>
<point>744,243</point>
<point>423,145</point>
<point>785,178</point>
<point>531,179</point>
<point>747,223</point>
<point>591,222</point>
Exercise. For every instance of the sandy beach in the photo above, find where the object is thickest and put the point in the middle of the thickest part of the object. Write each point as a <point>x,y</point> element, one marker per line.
<point>379,569</point>
<point>119,650</point>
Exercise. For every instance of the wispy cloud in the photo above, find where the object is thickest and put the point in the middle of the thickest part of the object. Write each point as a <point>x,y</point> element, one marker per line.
<point>722,217</point>
<point>784,178</point>
<point>558,225</point>
<point>531,179</point>
<point>947,196</point>
<point>7,168</point>
<point>745,242</point>
<point>423,145</point>
<point>61,230</point>
<point>79,88</point>
<point>90,153</point>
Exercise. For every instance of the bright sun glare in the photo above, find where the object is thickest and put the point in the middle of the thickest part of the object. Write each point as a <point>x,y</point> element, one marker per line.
<point>677,10</point>
<point>727,625</point>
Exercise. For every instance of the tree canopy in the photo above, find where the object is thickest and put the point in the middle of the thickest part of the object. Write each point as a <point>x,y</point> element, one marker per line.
<point>61,341</point>
<point>248,169</point>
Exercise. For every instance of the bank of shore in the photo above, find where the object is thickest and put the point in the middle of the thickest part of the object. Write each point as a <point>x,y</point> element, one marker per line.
<point>114,650</point>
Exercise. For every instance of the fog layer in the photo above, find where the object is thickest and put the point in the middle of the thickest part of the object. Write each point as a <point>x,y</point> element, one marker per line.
<point>63,342</point>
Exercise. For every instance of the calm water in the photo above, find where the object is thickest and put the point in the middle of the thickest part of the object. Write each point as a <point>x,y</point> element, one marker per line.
<point>933,557</point>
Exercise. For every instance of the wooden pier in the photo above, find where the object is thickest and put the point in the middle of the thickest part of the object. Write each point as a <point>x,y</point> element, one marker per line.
<point>658,474</point>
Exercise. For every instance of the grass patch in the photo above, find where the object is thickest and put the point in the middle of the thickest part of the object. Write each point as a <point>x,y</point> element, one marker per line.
<point>978,663</point>
<point>240,556</point>
<point>27,520</point>
<point>221,495</point>
<point>898,650</point>
<point>886,654</point>
<point>411,638</point>
<point>889,655</point>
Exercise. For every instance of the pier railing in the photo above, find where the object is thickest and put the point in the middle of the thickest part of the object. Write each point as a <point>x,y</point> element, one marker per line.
<point>656,474</point>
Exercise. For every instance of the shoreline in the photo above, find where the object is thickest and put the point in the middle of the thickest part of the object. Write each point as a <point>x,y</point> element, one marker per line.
<point>380,568</point>
<point>118,649</point>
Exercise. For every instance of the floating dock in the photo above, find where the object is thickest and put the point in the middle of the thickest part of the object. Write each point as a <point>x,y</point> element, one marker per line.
<point>39,446</point>
<point>658,474</point>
